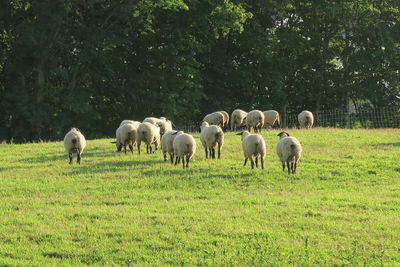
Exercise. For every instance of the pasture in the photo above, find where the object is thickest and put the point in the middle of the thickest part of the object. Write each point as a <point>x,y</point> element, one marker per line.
<point>342,207</point>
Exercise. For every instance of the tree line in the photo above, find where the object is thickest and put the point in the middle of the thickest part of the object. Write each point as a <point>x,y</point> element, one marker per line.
<point>93,63</point>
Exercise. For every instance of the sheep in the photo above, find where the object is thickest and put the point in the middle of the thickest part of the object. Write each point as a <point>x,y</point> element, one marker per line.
<point>129,121</point>
<point>238,118</point>
<point>253,145</point>
<point>184,145</point>
<point>306,119</point>
<point>255,120</point>
<point>167,120</point>
<point>210,136</point>
<point>152,120</point>
<point>289,151</point>
<point>148,133</point>
<point>126,135</point>
<point>271,117</point>
<point>167,144</point>
<point>74,142</point>
<point>226,119</point>
<point>215,118</point>
<point>165,126</point>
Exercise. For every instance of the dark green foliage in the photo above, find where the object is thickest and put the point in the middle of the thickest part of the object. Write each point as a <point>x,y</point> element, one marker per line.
<point>94,63</point>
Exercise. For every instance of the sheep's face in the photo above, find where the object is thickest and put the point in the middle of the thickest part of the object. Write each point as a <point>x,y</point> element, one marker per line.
<point>283,134</point>
<point>243,134</point>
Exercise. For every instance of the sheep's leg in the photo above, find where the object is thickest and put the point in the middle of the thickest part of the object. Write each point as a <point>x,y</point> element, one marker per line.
<point>150,149</point>
<point>171,157</point>
<point>176,160</point>
<point>252,162</point>
<point>78,160</point>
<point>262,163</point>
<point>138,148</point>
<point>165,156</point>
<point>292,167</point>
<point>206,153</point>
<point>70,158</point>
<point>283,166</point>
<point>219,150</point>
<point>245,161</point>
<point>288,166</point>
<point>256,162</point>
<point>187,161</point>
<point>213,152</point>
<point>131,148</point>
<point>179,159</point>
<point>125,148</point>
<point>295,167</point>
<point>183,161</point>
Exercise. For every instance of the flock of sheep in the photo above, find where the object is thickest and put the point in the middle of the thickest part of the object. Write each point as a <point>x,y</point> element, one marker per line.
<point>180,146</point>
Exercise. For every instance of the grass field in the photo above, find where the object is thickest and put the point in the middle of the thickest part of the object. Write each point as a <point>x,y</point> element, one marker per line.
<point>342,207</point>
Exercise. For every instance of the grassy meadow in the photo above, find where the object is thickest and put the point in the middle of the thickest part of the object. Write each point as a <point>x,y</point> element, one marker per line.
<point>342,207</point>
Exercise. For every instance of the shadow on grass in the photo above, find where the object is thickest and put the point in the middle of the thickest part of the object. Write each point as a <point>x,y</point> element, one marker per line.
<point>386,144</point>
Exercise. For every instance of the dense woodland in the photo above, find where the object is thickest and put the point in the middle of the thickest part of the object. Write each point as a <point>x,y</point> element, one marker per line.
<point>92,63</point>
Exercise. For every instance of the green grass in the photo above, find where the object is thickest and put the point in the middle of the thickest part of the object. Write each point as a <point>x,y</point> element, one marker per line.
<point>341,208</point>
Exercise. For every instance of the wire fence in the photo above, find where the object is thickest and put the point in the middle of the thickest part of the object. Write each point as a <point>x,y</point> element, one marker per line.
<point>388,117</point>
<point>362,118</point>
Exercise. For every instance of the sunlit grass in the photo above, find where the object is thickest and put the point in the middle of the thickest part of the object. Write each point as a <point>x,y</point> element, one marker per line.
<point>342,207</point>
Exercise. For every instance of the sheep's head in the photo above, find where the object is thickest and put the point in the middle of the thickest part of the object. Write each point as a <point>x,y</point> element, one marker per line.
<point>118,145</point>
<point>283,134</point>
<point>243,134</point>
<point>204,124</point>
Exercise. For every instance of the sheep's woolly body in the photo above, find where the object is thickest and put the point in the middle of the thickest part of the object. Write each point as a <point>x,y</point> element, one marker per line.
<point>306,119</point>
<point>215,118</point>
<point>253,146</point>
<point>184,145</point>
<point>126,135</point>
<point>151,120</point>
<point>74,142</point>
<point>167,144</point>
<point>211,136</point>
<point>271,117</point>
<point>289,151</point>
<point>129,121</point>
<point>149,134</point>
<point>238,117</point>
<point>165,126</point>
<point>226,119</point>
<point>255,120</point>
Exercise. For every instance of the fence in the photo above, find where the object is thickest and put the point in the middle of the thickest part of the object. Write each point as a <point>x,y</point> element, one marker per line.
<point>363,118</point>
<point>339,118</point>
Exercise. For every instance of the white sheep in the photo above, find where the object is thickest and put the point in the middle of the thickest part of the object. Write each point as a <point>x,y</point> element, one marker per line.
<point>226,119</point>
<point>165,126</point>
<point>215,118</point>
<point>167,120</point>
<point>271,117</point>
<point>167,144</point>
<point>126,135</point>
<point>253,145</point>
<point>128,121</point>
<point>149,134</point>
<point>152,120</point>
<point>238,119</point>
<point>184,145</point>
<point>211,136</point>
<point>255,120</point>
<point>74,142</point>
<point>306,119</point>
<point>289,151</point>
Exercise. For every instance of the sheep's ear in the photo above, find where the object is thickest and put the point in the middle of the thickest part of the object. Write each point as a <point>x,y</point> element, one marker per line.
<point>113,142</point>
<point>241,133</point>
<point>174,133</point>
